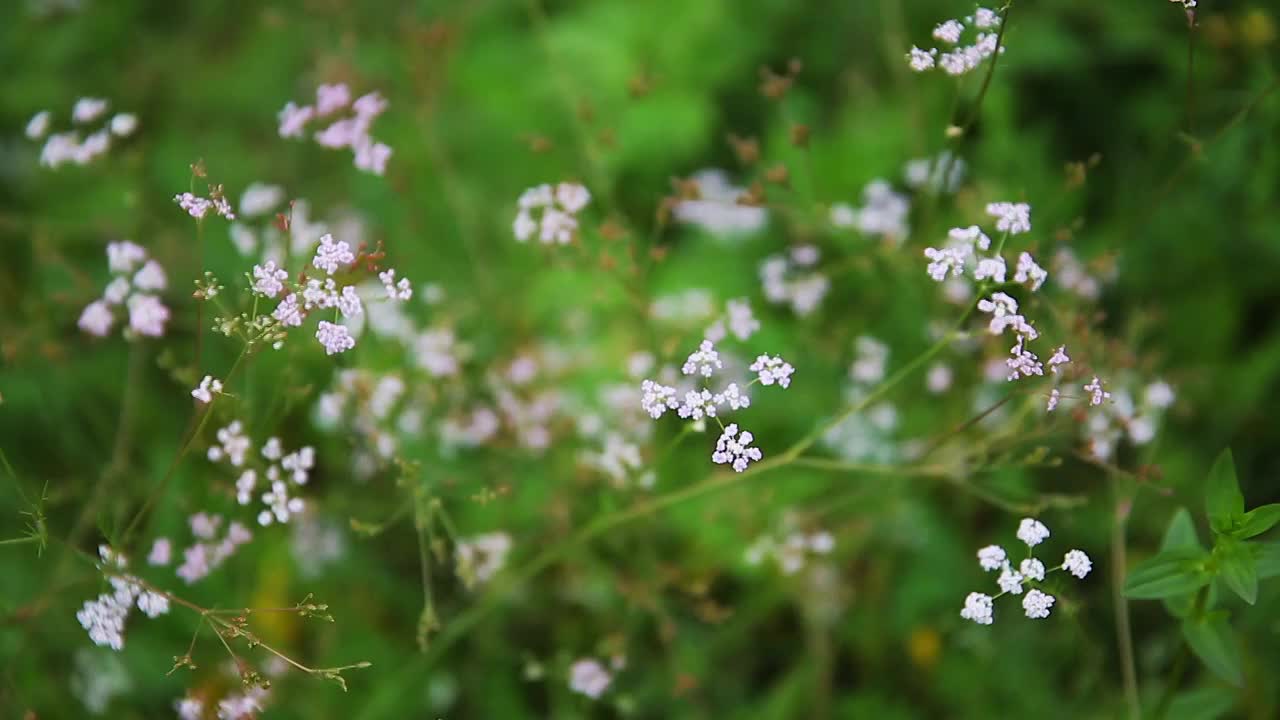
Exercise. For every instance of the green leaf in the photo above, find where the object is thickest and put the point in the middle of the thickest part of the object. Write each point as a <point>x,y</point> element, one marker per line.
<point>1258,520</point>
<point>1266,558</point>
<point>1207,703</point>
<point>1210,638</point>
<point>1222,501</point>
<point>1181,533</point>
<point>1172,572</point>
<point>1238,568</point>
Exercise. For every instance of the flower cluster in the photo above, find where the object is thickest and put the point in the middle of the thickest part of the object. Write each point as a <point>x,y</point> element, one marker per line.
<point>738,320</point>
<point>884,213</point>
<point>791,552</point>
<point>135,280</point>
<point>350,132</point>
<point>277,469</point>
<point>197,206</point>
<point>866,435</point>
<point>961,58</point>
<point>550,213</point>
<point>1030,572</point>
<point>716,209</point>
<point>791,280</point>
<point>1125,416</point>
<point>208,552</point>
<point>589,677</point>
<point>66,147</point>
<point>104,616</point>
<point>479,558</point>
<point>734,447</point>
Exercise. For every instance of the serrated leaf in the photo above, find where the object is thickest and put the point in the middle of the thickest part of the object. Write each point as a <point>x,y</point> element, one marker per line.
<point>1223,502</point>
<point>1171,573</point>
<point>1211,639</point>
<point>1238,568</point>
<point>1258,521</point>
<point>1207,703</point>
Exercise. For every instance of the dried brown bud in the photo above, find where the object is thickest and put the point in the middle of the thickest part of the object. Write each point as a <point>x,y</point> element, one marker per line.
<point>778,175</point>
<point>800,135</point>
<point>746,148</point>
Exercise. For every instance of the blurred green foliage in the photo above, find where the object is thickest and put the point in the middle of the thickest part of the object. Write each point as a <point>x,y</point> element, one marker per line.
<point>490,97</point>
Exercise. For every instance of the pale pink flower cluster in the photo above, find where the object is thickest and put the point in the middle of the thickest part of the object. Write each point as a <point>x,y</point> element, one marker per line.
<point>961,58</point>
<point>793,279</point>
<point>209,551</point>
<point>589,677</point>
<point>1036,604</point>
<point>790,552</point>
<point>67,147</point>
<point>1125,412</point>
<point>134,282</point>
<point>884,213</point>
<point>197,206</point>
<point>352,131</point>
<point>550,213</point>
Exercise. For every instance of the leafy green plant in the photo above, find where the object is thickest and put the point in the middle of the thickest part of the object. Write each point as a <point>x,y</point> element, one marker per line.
<point>1186,576</point>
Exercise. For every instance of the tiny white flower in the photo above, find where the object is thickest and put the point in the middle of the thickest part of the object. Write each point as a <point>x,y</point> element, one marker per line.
<point>1096,394</point>
<point>268,279</point>
<point>1028,271</point>
<point>704,361</point>
<point>993,268</point>
<point>1013,218</point>
<point>209,386</point>
<point>334,338</point>
<point>977,607</point>
<point>1032,568</point>
<point>1010,581</point>
<point>38,125</point>
<point>920,60</point>
<point>123,124</point>
<point>588,677</point>
<point>735,449</point>
<point>1077,563</point>
<point>151,277</point>
<point>992,557</point>
<point>96,319</point>
<point>331,255</point>
<point>770,370</point>
<point>657,398</point>
<point>1032,532</point>
<point>1037,604</point>
<point>1054,397</point>
<point>949,31</point>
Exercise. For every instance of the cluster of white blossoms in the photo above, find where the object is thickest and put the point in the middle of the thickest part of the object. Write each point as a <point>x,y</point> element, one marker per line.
<point>208,387</point>
<point>1030,573</point>
<point>135,280</point>
<point>716,209</point>
<point>104,616</point>
<point>790,552</point>
<point>734,447</point>
<point>299,299</point>
<point>351,131</point>
<point>792,280</point>
<point>551,213</point>
<point>883,214</point>
<point>197,206</point>
<point>961,58</point>
<point>479,558</point>
<point>927,173</point>
<point>738,320</point>
<point>866,436</point>
<point>963,251</point>
<point>589,677</point>
<point>67,147</point>
<point>277,469</point>
<point>1136,419</point>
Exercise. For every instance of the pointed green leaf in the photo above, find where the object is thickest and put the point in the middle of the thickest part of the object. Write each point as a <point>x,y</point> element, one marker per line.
<point>1206,703</point>
<point>1258,520</point>
<point>1211,639</point>
<point>1181,533</point>
<point>1238,568</point>
<point>1223,502</point>
<point>1172,572</point>
<point>1266,558</point>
